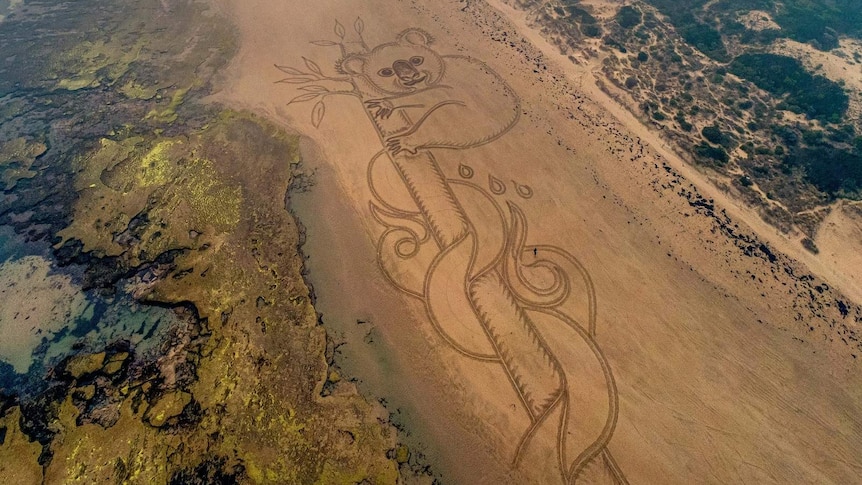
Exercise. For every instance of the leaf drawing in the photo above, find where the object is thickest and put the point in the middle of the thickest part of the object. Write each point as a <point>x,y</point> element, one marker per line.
<point>314,88</point>
<point>303,98</point>
<point>290,70</point>
<point>339,29</point>
<point>359,25</point>
<point>317,113</point>
<point>324,43</point>
<point>296,80</point>
<point>312,66</point>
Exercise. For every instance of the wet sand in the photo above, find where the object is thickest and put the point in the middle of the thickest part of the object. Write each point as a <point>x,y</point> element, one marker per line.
<point>378,343</point>
<point>726,364</point>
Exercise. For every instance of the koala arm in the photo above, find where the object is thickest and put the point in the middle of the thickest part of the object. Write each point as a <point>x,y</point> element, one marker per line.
<point>405,141</point>
<point>424,98</point>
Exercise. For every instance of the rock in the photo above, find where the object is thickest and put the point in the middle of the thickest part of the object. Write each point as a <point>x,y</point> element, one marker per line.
<point>83,364</point>
<point>115,363</point>
<point>168,406</point>
<point>112,368</point>
<point>119,357</point>
<point>86,393</point>
<point>402,454</point>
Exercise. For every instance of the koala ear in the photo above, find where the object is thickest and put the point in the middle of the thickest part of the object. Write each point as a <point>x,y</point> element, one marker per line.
<point>352,64</point>
<point>415,37</point>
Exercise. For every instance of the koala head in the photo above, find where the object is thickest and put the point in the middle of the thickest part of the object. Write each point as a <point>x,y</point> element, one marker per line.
<point>398,67</point>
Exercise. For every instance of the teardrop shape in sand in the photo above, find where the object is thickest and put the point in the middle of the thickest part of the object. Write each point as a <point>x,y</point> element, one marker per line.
<point>496,185</point>
<point>465,171</point>
<point>525,191</point>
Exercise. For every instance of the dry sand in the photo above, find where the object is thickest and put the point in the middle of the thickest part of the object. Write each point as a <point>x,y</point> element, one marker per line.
<point>708,358</point>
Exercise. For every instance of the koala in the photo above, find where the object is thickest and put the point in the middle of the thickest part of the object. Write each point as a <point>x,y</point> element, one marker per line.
<point>422,100</point>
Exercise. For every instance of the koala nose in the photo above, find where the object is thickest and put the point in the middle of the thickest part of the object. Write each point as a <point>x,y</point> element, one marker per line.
<point>405,70</point>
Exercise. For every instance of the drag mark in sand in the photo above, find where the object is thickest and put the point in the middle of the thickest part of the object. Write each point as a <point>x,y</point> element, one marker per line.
<point>492,297</point>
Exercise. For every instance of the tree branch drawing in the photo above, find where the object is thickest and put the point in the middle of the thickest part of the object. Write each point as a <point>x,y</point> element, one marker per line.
<point>314,74</point>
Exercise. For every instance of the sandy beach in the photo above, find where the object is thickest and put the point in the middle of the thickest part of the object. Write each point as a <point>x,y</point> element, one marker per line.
<point>551,295</point>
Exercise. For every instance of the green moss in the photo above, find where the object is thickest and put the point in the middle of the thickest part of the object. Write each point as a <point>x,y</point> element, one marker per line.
<point>90,64</point>
<point>16,159</point>
<point>133,90</point>
<point>18,454</point>
<point>84,364</point>
<point>168,406</point>
<point>169,114</point>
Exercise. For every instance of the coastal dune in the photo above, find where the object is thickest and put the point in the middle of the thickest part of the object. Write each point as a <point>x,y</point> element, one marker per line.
<point>548,297</point>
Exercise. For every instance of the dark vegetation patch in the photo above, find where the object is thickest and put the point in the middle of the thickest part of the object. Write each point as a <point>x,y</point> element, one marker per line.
<point>834,171</point>
<point>818,22</point>
<point>628,17</point>
<point>714,134</point>
<point>587,23</point>
<point>701,35</point>
<point>803,92</point>
<point>716,154</point>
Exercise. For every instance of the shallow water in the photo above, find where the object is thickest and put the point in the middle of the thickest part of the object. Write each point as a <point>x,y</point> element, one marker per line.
<point>45,316</point>
<point>7,6</point>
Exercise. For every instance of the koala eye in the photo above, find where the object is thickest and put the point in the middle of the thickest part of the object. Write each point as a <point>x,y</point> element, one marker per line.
<point>417,61</point>
<point>386,72</point>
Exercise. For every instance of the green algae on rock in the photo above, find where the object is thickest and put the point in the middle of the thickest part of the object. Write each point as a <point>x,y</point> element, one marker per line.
<point>16,159</point>
<point>255,407</point>
<point>83,364</point>
<point>168,406</point>
<point>19,455</point>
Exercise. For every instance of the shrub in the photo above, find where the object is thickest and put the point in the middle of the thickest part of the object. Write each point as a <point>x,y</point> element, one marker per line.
<point>834,171</point>
<point>628,17</point>
<point>813,95</point>
<point>718,154</point>
<point>683,123</point>
<point>591,30</point>
<point>713,134</point>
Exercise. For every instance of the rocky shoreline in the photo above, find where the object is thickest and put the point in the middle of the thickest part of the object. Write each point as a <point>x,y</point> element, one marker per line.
<point>143,190</point>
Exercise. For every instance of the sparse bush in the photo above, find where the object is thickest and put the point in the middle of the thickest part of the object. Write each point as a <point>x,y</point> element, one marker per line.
<point>808,244</point>
<point>683,123</point>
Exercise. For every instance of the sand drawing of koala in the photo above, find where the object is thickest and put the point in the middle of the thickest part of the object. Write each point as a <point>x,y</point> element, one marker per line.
<point>470,271</point>
<point>420,99</point>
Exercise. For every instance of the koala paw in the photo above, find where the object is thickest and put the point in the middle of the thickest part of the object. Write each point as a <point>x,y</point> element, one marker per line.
<point>382,108</point>
<point>398,144</point>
